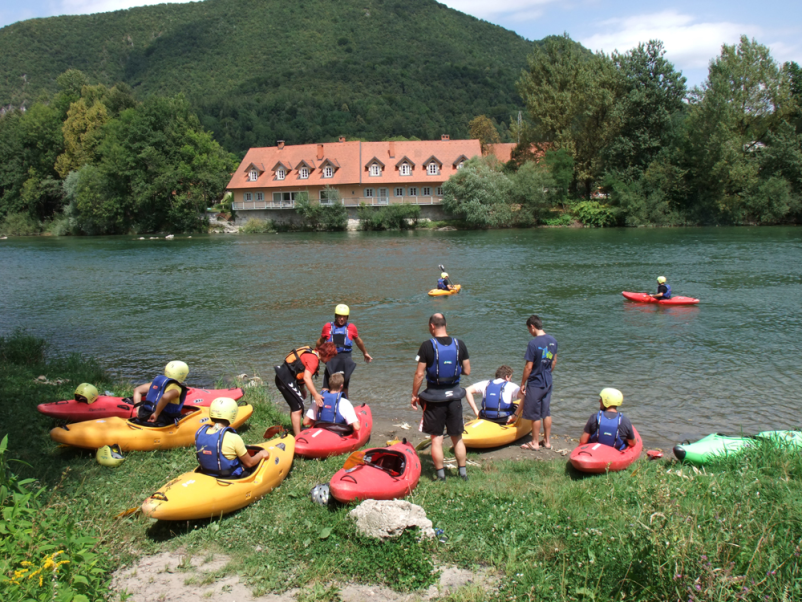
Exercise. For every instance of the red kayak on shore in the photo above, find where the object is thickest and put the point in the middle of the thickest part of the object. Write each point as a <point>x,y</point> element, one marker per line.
<point>598,459</point>
<point>322,442</point>
<point>388,473</point>
<point>110,407</point>
<point>646,298</point>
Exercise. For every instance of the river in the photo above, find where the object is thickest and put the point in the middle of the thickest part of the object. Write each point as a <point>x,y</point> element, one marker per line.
<point>233,304</point>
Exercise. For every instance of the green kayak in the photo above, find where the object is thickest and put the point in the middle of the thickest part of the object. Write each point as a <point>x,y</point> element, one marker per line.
<point>712,446</point>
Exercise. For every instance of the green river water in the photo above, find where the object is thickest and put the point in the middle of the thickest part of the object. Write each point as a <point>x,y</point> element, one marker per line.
<point>233,304</point>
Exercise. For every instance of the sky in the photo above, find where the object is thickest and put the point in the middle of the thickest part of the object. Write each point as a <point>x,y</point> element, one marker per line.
<point>692,31</point>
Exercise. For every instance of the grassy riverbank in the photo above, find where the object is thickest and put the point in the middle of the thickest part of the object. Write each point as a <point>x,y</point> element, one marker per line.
<point>651,533</point>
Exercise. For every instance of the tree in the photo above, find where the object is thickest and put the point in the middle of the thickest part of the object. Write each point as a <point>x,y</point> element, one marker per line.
<point>794,74</point>
<point>482,128</point>
<point>479,194</point>
<point>532,187</point>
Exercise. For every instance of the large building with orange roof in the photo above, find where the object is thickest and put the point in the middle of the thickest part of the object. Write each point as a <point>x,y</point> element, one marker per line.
<point>373,173</point>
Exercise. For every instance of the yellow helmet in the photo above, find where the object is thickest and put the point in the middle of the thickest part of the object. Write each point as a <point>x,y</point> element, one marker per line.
<point>87,392</point>
<point>444,275</point>
<point>611,397</point>
<point>110,455</point>
<point>342,310</point>
<point>177,371</point>
<point>223,408</point>
<point>661,279</point>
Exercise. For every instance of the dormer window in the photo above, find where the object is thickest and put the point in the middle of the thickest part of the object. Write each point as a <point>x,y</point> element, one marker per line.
<point>328,171</point>
<point>253,175</point>
<point>460,164</point>
<point>375,170</point>
<point>432,169</point>
<point>303,173</point>
<point>406,170</point>
<point>280,174</point>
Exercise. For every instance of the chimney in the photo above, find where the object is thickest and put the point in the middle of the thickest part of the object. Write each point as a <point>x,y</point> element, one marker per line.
<point>392,150</point>
<point>280,144</point>
<point>445,137</point>
<point>319,152</point>
<point>342,138</point>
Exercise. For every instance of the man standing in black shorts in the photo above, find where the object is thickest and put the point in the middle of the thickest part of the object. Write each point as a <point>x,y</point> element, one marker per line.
<point>442,360</point>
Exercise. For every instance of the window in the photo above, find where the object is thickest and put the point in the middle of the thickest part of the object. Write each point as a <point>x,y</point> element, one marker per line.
<point>253,175</point>
<point>432,169</point>
<point>406,170</point>
<point>375,170</point>
<point>439,191</point>
<point>328,171</point>
<point>324,197</point>
<point>460,164</point>
<point>285,199</point>
<point>427,191</point>
<point>383,196</point>
<point>304,173</point>
<point>280,174</point>
<point>413,192</point>
<point>368,193</point>
<point>248,196</point>
<point>399,192</point>
<point>260,196</point>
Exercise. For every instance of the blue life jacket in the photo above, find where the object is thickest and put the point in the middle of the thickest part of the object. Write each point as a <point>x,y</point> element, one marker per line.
<point>493,404</point>
<point>442,284</point>
<point>330,412</point>
<point>446,368</point>
<point>156,392</point>
<point>667,294</point>
<point>339,336</point>
<point>607,431</point>
<point>209,449</point>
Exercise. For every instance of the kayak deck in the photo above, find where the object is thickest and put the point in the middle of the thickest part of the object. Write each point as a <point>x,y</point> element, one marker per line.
<point>437,292</point>
<point>646,298</point>
<point>597,458</point>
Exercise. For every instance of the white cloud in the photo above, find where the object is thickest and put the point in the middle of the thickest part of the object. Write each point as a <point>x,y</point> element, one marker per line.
<point>518,10</point>
<point>688,44</point>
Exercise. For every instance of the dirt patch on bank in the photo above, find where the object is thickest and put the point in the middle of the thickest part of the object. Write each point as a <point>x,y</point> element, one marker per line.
<point>175,577</point>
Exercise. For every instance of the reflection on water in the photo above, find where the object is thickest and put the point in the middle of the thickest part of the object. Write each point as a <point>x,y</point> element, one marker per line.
<point>228,305</point>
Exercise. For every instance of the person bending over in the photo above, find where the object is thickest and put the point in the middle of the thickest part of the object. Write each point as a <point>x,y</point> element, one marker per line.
<point>609,426</point>
<point>164,396</point>
<point>294,377</point>
<point>220,450</point>
<point>336,409</point>
<point>498,397</point>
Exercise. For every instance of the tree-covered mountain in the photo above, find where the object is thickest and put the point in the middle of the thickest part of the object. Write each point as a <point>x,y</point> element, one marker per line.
<point>302,71</point>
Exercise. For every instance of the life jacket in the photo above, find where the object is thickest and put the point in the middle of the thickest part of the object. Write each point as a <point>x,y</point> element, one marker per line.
<point>607,431</point>
<point>296,366</point>
<point>209,449</point>
<point>339,336</point>
<point>493,404</point>
<point>156,392</point>
<point>667,294</point>
<point>446,368</point>
<point>330,412</point>
<point>442,284</point>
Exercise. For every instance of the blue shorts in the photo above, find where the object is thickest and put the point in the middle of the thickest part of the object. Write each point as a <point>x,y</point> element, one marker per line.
<point>537,403</point>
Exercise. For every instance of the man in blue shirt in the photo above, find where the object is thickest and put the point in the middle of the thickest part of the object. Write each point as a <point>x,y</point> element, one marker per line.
<point>541,359</point>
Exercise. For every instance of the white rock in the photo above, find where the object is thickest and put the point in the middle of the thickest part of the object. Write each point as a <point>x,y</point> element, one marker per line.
<point>389,518</point>
<point>170,237</point>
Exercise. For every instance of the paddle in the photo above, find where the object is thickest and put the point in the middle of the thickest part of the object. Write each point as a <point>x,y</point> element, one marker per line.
<point>273,431</point>
<point>358,459</point>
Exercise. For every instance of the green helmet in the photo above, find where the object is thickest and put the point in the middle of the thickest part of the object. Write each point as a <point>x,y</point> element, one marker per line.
<point>86,392</point>
<point>611,397</point>
<point>661,280</point>
<point>177,371</point>
<point>223,408</point>
<point>110,455</point>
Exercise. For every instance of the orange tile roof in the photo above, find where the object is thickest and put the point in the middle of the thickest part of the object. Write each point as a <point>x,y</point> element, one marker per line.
<point>502,150</point>
<point>351,161</point>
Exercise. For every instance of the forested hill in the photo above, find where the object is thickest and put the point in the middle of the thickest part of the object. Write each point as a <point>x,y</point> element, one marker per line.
<point>302,71</point>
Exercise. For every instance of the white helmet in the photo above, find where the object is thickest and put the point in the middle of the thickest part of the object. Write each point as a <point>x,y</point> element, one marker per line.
<point>320,494</point>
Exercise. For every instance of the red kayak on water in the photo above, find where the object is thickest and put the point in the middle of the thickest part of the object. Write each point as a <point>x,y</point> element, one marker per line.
<point>324,442</point>
<point>109,407</point>
<point>646,298</point>
<point>598,458</point>
<point>387,473</point>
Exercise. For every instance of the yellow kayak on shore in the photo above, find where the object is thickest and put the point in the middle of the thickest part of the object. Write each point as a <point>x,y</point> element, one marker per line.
<point>481,434</point>
<point>130,436</point>
<point>437,292</point>
<point>195,495</point>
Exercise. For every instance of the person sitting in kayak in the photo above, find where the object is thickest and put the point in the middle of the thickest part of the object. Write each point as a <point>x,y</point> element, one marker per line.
<point>164,396</point>
<point>609,426</point>
<point>444,284</point>
<point>497,397</point>
<point>220,450</point>
<point>663,289</point>
<point>336,409</point>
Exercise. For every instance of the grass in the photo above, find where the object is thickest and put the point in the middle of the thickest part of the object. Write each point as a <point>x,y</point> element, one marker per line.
<point>659,531</point>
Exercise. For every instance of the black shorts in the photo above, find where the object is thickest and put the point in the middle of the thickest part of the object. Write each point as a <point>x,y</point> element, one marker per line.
<point>446,414</point>
<point>342,362</point>
<point>290,390</point>
<point>537,403</point>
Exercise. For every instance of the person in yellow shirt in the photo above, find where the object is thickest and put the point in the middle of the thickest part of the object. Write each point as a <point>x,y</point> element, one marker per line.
<point>220,450</point>
<point>164,396</point>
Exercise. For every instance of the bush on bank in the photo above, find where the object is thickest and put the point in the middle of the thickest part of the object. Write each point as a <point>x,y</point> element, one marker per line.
<point>391,217</point>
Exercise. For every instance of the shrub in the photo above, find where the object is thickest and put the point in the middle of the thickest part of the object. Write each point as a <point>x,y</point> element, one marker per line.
<point>20,224</point>
<point>563,219</point>
<point>322,217</point>
<point>479,194</point>
<point>258,226</point>
<point>392,217</point>
<point>22,349</point>
<point>593,213</point>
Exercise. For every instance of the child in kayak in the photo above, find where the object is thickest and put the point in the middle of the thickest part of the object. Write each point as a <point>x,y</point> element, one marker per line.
<point>444,284</point>
<point>160,401</point>
<point>609,426</point>
<point>336,408</point>
<point>663,289</point>
<point>497,397</point>
<point>220,450</point>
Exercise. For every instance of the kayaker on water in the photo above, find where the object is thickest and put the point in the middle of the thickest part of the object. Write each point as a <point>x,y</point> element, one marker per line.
<point>609,426</point>
<point>344,335</point>
<point>497,396</point>
<point>536,384</point>
<point>220,450</point>
<point>164,396</point>
<point>442,360</point>
<point>336,408</point>
<point>663,289</point>
<point>444,284</point>
<point>294,377</point>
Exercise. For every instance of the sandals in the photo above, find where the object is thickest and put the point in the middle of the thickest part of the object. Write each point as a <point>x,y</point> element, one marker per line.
<point>530,447</point>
